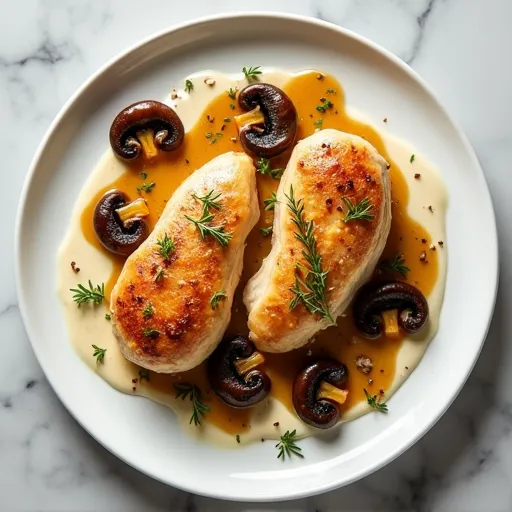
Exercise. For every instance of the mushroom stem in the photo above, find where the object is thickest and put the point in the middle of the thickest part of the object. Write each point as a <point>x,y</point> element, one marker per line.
<point>330,392</point>
<point>244,366</point>
<point>250,118</point>
<point>146,138</point>
<point>135,210</point>
<point>390,318</point>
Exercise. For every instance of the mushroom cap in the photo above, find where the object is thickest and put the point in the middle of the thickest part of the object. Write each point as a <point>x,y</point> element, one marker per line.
<point>144,115</point>
<point>111,232</point>
<point>375,297</point>
<point>280,128</point>
<point>232,388</point>
<point>321,413</point>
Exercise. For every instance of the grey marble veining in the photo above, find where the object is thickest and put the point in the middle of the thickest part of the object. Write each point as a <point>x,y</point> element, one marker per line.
<point>461,47</point>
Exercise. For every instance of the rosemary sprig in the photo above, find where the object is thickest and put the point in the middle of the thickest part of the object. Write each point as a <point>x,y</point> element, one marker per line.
<point>94,294</point>
<point>266,231</point>
<point>265,167</point>
<point>165,246</point>
<point>189,86</point>
<point>288,447</point>
<point>358,211</point>
<point>216,298</point>
<point>99,354</point>
<point>310,290</point>
<point>146,187</point>
<point>376,403</point>
<point>252,73</point>
<point>325,105</point>
<point>148,311</point>
<point>231,93</point>
<point>199,409</point>
<point>209,200</point>
<point>205,229</point>
<point>397,264</point>
<point>270,203</point>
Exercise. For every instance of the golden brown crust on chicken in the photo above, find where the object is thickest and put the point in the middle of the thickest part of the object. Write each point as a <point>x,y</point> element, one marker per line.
<point>179,328</point>
<point>324,168</point>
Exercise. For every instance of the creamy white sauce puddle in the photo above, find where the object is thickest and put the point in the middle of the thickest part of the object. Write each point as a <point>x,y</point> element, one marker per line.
<point>87,325</point>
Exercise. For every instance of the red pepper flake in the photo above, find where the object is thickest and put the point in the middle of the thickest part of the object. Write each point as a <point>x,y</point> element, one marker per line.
<point>223,127</point>
<point>135,381</point>
<point>381,391</point>
<point>339,208</point>
<point>432,247</point>
<point>381,370</point>
<point>388,167</point>
<point>210,118</point>
<point>74,267</point>
<point>441,243</point>
<point>328,202</point>
<point>423,240</point>
<point>417,176</point>
<point>187,161</point>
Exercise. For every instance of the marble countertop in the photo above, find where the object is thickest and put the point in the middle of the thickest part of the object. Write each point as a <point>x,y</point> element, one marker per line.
<point>461,47</point>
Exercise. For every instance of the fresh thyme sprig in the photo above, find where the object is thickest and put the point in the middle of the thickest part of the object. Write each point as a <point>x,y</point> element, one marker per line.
<point>165,246</point>
<point>205,229</point>
<point>375,403</point>
<point>270,203</point>
<point>288,447</point>
<point>209,200</point>
<point>397,264</point>
<point>310,290</point>
<point>231,93</point>
<point>216,298</point>
<point>94,294</point>
<point>252,73</point>
<point>99,354</point>
<point>199,409</point>
<point>358,211</point>
<point>266,231</point>
<point>189,86</point>
<point>146,187</point>
<point>148,311</point>
<point>265,167</point>
<point>325,105</point>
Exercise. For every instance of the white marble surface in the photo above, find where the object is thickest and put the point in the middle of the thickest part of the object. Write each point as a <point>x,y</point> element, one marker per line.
<point>461,47</point>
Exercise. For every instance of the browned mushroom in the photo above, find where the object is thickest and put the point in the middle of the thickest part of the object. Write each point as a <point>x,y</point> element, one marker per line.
<point>270,125</point>
<point>387,305</point>
<point>119,224</point>
<point>317,393</point>
<point>146,126</point>
<point>233,375</point>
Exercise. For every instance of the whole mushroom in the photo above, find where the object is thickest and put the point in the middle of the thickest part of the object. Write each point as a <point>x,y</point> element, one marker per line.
<point>270,126</point>
<point>146,127</point>
<point>233,375</point>
<point>119,224</point>
<point>316,392</point>
<point>387,305</point>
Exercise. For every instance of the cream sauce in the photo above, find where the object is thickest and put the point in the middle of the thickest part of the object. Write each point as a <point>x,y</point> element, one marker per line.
<point>88,325</point>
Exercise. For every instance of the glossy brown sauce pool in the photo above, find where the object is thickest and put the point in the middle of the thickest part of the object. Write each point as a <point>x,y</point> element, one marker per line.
<point>208,139</point>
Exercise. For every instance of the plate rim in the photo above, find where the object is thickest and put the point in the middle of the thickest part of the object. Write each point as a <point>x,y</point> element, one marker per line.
<point>284,17</point>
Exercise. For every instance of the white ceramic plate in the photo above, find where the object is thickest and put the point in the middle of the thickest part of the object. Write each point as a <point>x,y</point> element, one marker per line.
<point>379,85</point>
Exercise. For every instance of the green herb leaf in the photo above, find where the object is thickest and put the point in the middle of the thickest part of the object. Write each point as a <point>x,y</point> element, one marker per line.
<point>193,393</point>
<point>397,264</point>
<point>148,311</point>
<point>99,354</point>
<point>94,294</point>
<point>108,316</point>
<point>166,246</point>
<point>232,93</point>
<point>216,137</point>
<point>231,106</point>
<point>288,447</point>
<point>149,332</point>
<point>412,159</point>
<point>143,374</point>
<point>359,211</point>
<point>376,404</point>
<point>237,437</point>
<point>227,119</point>
<point>270,203</point>
<point>189,86</point>
<point>310,291</point>
<point>143,175</point>
<point>266,231</point>
<point>325,105</point>
<point>146,187</point>
<point>319,123</point>
<point>159,274</point>
<point>331,91</point>
<point>265,167</point>
<point>252,73</point>
<point>216,298</point>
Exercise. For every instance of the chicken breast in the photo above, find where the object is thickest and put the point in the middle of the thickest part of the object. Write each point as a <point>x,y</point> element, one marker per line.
<point>172,301</point>
<point>330,174</point>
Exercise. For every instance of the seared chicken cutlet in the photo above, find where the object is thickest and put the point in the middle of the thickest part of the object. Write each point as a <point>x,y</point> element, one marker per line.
<point>172,301</point>
<point>331,223</point>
